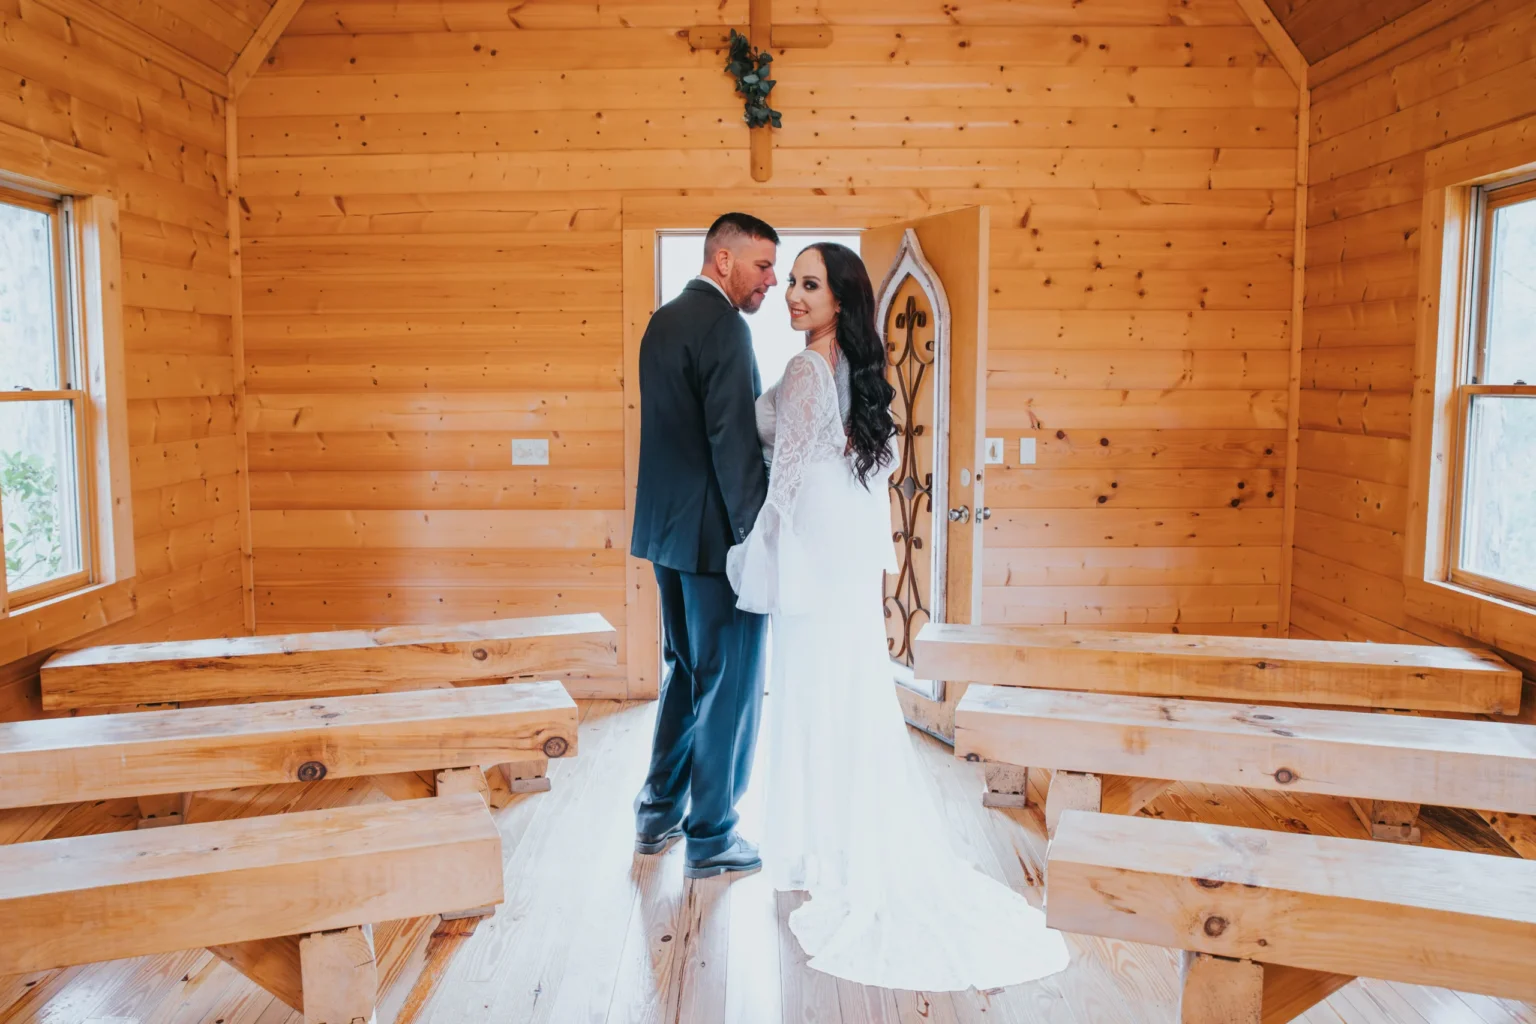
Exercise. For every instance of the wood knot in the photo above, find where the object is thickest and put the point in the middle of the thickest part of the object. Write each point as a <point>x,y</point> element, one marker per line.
<point>479,654</point>
<point>1285,776</point>
<point>556,746</point>
<point>1214,925</point>
<point>1209,883</point>
<point>973,757</point>
<point>311,771</point>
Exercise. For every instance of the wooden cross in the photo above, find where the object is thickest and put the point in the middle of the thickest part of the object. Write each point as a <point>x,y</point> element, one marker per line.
<point>764,35</point>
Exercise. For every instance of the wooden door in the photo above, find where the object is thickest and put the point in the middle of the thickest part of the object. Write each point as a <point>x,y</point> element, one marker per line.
<point>930,277</point>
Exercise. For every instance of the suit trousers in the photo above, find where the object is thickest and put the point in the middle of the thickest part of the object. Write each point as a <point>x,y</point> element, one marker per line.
<point>707,718</point>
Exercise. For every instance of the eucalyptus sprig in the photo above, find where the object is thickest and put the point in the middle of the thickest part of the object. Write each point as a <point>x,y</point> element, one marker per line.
<point>750,69</point>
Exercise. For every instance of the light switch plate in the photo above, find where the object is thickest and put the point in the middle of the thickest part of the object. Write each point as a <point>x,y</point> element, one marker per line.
<point>994,451</point>
<point>530,451</point>
<point>1026,451</point>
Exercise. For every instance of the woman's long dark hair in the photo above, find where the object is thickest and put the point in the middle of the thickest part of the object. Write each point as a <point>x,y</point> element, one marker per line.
<point>870,425</point>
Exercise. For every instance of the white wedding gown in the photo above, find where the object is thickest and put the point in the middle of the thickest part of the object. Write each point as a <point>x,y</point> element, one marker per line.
<point>849,815</point>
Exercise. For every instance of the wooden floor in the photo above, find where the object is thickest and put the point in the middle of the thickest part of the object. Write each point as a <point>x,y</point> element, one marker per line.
<point>592,933</point>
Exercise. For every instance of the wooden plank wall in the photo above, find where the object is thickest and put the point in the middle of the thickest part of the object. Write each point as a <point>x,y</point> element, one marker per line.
<point>1371,125</point>
<point>432,266</point>
<point>68,80</point>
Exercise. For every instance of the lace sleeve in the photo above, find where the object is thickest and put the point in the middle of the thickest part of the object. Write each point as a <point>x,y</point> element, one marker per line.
<point>756,566</point>
<point>795,431</point>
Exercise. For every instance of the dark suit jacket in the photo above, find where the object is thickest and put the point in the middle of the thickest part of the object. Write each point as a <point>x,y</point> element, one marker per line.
<point>702,479</point>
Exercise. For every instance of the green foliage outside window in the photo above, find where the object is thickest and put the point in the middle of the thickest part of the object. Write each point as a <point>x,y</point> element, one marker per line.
<point>34,545</point>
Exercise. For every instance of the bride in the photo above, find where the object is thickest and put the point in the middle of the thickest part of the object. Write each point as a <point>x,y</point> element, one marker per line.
<point>849,815</point>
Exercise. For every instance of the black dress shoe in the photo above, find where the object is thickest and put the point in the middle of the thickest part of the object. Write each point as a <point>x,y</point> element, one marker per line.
<point>739,856</point>
<point>658,844</point>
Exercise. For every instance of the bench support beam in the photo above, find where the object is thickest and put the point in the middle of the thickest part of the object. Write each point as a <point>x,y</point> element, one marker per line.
<point>1388,820</point>
<point>1290,992</point>
<point>271,963</point>
<point>341,976</point>
<point>1216,990</point>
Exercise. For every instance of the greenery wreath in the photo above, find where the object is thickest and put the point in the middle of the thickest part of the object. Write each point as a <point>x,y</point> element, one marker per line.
<point>750,69</point>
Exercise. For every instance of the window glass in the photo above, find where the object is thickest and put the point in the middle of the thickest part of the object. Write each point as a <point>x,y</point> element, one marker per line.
<point>39,497</point>
<point>29,330</point>
<point>1510,354</point>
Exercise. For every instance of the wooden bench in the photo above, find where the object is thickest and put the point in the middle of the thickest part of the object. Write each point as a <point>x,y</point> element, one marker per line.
<point>1277,921</point>
<point>1222,668</point>
<point>149,753</point>
<point>320,876</point>
<point>1390,764</point>
<point>326,664</point>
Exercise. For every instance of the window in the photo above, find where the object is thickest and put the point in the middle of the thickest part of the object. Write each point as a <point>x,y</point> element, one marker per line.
<point>1469,557</point>
<point>1494,548</point>
<point>66,508</point>
<point>44,485</point>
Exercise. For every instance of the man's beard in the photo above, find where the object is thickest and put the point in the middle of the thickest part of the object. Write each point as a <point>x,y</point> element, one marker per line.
<point>744,296</point>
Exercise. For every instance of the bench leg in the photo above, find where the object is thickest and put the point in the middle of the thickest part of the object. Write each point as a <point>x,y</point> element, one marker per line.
<point>465,780</point>
<point>530,776</point>
<point>1007,785</point>
<point>1071,791</point>
<point>1389,820</point>
<point>460,915</point>
<point>451,781</point>
<point>1216,990</point>
<point>340,976</point>
<point>164,809</point>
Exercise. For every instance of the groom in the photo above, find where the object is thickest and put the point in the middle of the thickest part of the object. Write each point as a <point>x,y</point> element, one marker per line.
<point>701,484</point>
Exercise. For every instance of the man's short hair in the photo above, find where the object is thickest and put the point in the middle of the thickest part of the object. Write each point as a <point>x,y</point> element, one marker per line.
<point>730,228</point>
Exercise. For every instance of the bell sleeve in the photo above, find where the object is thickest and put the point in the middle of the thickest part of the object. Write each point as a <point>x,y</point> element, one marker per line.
<point>771,569</point>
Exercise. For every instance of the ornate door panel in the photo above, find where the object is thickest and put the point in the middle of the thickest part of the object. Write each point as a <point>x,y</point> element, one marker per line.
<point>931,277</point>
<point>914,317</point>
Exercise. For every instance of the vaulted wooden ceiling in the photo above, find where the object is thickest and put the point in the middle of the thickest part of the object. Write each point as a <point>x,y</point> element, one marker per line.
<point>1321,28</point>
<point>212,32</point>
<point>215,32</point>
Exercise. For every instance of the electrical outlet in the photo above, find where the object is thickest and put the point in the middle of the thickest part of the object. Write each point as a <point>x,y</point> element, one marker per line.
<point>994,451</point>
<point>530,451</point>
<point>1026,451</point>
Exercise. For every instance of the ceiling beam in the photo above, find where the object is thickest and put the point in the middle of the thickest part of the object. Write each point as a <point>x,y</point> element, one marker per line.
<point>1278,39</point>
<point>255,53</point>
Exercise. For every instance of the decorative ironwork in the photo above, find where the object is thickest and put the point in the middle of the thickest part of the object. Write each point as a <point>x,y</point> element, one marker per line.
<point>910,362</point>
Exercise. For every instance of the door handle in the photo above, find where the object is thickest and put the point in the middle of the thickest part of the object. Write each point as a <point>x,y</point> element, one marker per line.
<point>960,515</point>
<point>984,514</point>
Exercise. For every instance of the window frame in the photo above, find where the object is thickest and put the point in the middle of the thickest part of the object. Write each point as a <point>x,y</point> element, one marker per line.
<point>70,361</point>
<point>1485,201</point>
<point>1463,180</point>
<point>31,164</point>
